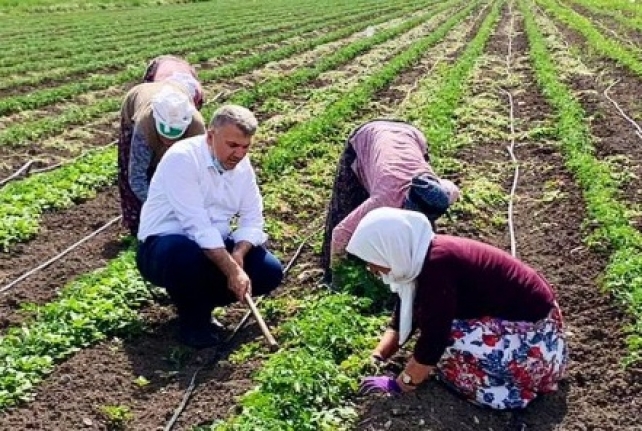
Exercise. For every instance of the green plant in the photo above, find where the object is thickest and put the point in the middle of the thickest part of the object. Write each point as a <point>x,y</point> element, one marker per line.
<point>141,381</point>
<point>116,416</point>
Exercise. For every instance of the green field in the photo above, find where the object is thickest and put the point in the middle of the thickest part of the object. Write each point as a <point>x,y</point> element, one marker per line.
<point>556,81</point>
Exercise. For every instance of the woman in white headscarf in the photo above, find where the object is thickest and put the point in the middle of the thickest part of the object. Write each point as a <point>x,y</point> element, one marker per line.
<point>489,324</point>
<point>173,68</point>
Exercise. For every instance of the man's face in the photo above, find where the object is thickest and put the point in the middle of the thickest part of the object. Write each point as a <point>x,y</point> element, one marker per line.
<point>229,144</point>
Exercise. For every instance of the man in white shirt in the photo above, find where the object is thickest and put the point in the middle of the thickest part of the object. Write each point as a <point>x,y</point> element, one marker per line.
<point>186,241</point>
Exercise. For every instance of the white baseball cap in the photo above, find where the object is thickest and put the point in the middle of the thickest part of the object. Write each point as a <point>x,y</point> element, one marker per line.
<point>172,112</point>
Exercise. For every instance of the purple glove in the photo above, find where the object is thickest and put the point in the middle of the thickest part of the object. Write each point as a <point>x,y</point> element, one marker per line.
<point>383,384</point>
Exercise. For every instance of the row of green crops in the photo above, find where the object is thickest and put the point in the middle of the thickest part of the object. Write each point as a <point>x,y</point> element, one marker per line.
<point>606,47</point>
<point>623,275</point>
<point>600,7</point>
<point>22,203</point>
<point>16,7</point>
<point>619,6</point>
<point>86,58</point>
<point>208,48</point>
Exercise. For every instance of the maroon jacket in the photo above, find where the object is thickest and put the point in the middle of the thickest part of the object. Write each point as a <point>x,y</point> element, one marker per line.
<point>467,279</point>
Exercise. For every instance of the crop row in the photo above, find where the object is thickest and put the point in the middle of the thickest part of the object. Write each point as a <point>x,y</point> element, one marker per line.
<point>603,45</point>
<point>84,58</point>
<point>597,180</point>
<point>223,45</point>
<point>600,7</point>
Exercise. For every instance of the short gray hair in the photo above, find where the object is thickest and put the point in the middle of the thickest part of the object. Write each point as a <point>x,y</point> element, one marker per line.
<point>241,117</point>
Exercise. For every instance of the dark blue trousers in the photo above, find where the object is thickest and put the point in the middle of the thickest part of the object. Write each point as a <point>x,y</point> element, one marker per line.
<point>194,283</point>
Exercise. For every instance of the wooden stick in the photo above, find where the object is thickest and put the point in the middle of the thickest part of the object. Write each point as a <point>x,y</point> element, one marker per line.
<point>257,315</point>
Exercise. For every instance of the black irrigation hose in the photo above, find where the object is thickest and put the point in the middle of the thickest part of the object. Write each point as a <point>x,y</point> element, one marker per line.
<point>26,169</point>
<point>60,255</point>
<point>220,352</point>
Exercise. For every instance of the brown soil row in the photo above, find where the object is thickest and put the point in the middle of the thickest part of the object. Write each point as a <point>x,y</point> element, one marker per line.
<point>58,231</point>
<point>597,393</point>
<point>615,137</point>
<point>610,27</point>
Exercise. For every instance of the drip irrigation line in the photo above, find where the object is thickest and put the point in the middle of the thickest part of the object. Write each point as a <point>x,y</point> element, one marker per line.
<point>511,148</point>
<point>27,171</point>
<point>192,384</point>
<point>60,255</point>
<point>638,131</point>
<point>23,170</point>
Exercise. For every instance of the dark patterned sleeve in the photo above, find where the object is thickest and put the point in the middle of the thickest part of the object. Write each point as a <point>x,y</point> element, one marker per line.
<point>139,161</point>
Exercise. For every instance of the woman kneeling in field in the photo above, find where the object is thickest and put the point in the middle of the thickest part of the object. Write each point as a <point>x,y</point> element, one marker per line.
<point>490,326</point>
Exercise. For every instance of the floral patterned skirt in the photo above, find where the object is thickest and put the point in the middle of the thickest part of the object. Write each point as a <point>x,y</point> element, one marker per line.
<point>502,364</point>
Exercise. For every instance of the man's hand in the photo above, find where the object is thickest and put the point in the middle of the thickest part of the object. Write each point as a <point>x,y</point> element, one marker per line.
<point>238,258</point>
<point>237,279</point>
<point>241,249</point>
<point>240,284</point>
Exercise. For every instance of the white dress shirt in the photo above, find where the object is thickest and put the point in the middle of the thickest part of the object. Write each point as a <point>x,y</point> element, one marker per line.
<point>189,196</point>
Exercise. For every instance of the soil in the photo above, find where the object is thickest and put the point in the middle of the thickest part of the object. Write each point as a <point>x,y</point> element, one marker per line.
<point>58,231</point>
<point>610,27</point>
<point>615,135</point>
<point>597,393</point>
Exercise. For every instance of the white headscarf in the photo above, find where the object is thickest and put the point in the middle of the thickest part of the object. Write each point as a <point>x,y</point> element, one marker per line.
<point>396,239</point>
<point>186,80</point>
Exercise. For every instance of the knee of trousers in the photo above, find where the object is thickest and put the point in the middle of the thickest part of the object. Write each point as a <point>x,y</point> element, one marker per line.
<point>270,276</point>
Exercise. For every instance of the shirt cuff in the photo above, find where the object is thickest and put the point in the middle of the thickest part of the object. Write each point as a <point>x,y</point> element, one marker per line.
<point>209,239</point>
<point>252,235</point>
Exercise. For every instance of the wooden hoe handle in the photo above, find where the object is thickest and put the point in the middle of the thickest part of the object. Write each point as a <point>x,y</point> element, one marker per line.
<point>266,332</point>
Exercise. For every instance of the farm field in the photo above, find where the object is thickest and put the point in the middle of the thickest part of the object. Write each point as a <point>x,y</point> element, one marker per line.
<point>85,344</point>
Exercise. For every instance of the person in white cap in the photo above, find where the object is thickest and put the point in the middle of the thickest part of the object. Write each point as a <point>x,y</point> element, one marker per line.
<point>385,163</point>
<point>489,325</point>
<point>153,117</point>
<point>175,68</point>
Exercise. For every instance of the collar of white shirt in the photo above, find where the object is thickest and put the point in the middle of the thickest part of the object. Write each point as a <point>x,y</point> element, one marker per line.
<point>211,160</point>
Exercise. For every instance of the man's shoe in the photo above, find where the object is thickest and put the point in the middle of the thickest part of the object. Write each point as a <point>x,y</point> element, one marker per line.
<point>199,338</point>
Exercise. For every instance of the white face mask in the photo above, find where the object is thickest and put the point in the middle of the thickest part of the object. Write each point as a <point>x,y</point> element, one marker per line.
<point>218,165</point>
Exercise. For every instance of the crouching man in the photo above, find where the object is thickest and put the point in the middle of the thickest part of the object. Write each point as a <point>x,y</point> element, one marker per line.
<point>186,240</point>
